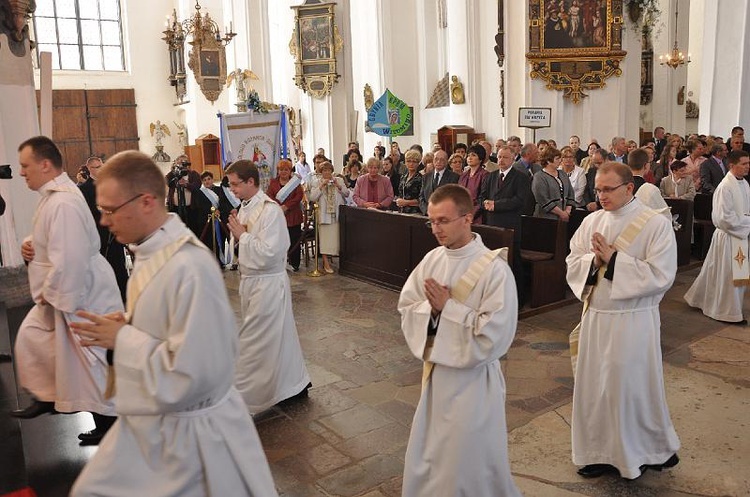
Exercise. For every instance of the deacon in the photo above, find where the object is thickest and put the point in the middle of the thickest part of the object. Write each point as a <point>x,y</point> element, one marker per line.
<point>623,259</point>
<point>270,367</point>
<point>183,428</point>
<point>719,289</point>
<point>459,314</point>
<point>66,273</point>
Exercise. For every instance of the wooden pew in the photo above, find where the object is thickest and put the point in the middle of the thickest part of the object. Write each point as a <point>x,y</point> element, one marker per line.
<point>703,226</point>
<point>684,211</point>
<point>544,246</point>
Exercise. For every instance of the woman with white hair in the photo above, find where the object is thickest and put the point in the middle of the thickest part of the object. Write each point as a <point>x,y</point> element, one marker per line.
<point>329,193</point>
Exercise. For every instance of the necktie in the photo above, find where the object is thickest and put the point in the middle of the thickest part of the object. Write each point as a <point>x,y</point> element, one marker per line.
<point>502,178</point>
<point>437,181</point>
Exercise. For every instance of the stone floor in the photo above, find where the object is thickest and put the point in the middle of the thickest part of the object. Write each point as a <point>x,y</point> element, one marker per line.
<point>349,438</point>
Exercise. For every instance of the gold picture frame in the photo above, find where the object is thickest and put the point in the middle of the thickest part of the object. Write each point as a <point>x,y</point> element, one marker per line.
<point>575,45</point>
<point>208,61</point>
<point>314,45</point>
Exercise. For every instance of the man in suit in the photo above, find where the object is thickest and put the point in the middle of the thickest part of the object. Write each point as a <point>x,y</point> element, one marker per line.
<point>589,194</point>
<point>440,176</point>
<point>619,150</point>
<point>738,132</point>
<point>514,143</point>
<point>504,195</point>
<point>713,169</point>
<point>575,143</point>
<point>660,140</point>
<point>489,165</point>
<point>527,164</point>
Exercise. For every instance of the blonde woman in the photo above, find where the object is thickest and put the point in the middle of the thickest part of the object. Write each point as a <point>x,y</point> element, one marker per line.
<point>330,193</point>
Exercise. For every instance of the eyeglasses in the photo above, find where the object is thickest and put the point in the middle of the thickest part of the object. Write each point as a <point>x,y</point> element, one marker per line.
<point>111,212</point>
<point>440,222</point>
<point>608,189</point>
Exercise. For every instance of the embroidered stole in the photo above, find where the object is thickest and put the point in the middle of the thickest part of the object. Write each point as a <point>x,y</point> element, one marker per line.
<point>460,292</point>
<point>621,243</point>
<point>739,246</point>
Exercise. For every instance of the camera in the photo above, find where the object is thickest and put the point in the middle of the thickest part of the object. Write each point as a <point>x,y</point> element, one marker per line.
<point>179,171</point>
<point>5,172</point>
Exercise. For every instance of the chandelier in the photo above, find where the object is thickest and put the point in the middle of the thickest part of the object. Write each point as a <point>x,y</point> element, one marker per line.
<point>675,58</point>
<point>207,56</point>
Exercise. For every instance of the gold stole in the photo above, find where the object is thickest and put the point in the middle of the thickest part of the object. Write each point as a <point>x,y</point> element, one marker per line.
<point>460,292</point>
<point>739,246</point>
<point>139,281</point>
<point>621,243</point>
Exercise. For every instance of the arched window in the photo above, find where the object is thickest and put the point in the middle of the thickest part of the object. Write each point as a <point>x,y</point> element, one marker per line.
<point>81,34</point>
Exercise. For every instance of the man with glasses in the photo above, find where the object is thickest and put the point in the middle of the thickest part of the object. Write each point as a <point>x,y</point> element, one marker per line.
<point>459,314</point>
<point>66,273</point>
<point>622,261</point>
<point>183,427</point>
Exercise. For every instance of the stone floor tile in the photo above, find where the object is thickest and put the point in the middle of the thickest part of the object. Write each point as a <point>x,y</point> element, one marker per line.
<point>400,411</point>
<point>388,439</point>
<point>282,437</point>
<point>374,393</point>
<point>410,394</point>
<point>325,459</point>
<point>362,477</point>
<point>355,421</point>
<point>323,401</point>
<point>392,488</point>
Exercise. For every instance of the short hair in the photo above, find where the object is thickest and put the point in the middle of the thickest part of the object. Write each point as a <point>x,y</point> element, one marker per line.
<point>94,158</point>
<point>356,144</point>
<point>717,147</point>
<point>350,165</point>
<point>549,155</point>
<point>621,170</point>
<point>735,156</point>
<point>135,172</point>
<point>320,157</point>
<point>429,155</point>
<point>601,153</point>
<point>542,142</point>
<point>637,159</point>
<point>325,165</point>
<point>575,136</point>
<point>374,160</point>
<point>617,139</point>
<point>658,128</point>
<point>413,154</point>
<point>43,148</point>
<point>418,148</point>
<point>526,149</point>
<point>284,163</point>
<point>514,138</point>
<point>207,174</point>
<point>457,193</point>
<point>245,170</point>
<point>677,165</point>
<point>461,146</point>
<point>691,144</point>
<point>479,150</point>
<point>736,129</point>
<point>455,156</point>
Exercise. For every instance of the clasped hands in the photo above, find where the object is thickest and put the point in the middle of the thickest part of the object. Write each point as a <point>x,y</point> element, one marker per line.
<point>235,226</point>
<point>437,295</point>
<point>100,330</point>
<point>601,249</point>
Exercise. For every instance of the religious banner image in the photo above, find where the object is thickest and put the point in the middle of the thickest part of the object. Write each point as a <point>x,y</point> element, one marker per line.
<point>255,137</point>
<point>390,116</point>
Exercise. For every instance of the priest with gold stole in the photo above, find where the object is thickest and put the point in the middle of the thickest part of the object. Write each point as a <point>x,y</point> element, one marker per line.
<point>459,312</point>
<point>622,261</point>
<point>719,289</point>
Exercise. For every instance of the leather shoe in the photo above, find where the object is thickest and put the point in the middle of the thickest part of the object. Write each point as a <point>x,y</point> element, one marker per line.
<point>670,463</point>
<point>92,437</point>
<point>37,408</point>
<point>596,470</point>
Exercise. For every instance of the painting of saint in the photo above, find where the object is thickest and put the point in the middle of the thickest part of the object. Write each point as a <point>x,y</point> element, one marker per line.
<point>315,38</point>
<point>575,24</point>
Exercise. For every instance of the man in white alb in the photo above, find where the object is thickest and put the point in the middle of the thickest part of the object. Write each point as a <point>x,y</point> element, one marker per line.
<point>622,260</point>
<point>66,273</point>
<point>719,289</point>
<point>183,429</point>
<point>459,314</point>
<point>270,367</point>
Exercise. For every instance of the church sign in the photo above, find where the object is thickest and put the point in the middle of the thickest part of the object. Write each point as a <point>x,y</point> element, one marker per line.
<point>390,116</point>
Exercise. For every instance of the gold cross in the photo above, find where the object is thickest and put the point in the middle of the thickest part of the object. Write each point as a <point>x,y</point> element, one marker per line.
<point>740,257</point>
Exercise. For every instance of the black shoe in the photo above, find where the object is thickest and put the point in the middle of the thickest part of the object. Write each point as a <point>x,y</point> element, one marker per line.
<point>92,437</point>
<point>37,408</point>
<point>5,357</point>
<point>596,470</point>
<point>670,463</point>
<point>302,395</point>
<point>295,269</point>
<point>737,323</point>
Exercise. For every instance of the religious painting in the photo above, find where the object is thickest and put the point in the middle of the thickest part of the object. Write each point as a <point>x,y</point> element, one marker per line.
<point>575,45</point>
<point>209,62</point>
<point>314,44</point>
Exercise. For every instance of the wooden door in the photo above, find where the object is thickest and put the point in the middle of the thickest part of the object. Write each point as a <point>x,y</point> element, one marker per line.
<point>92,122</point>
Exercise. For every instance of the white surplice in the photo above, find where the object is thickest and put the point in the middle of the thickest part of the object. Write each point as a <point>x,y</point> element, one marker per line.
<point>713,291</point>
<point>620,412</point>
<point>67,274</point>
<point>183,429</point>
<point>458,444</point>
<point>270,366</point>
<point>650,196</point>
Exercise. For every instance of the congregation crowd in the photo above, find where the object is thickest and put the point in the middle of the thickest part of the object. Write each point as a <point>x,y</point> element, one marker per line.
<point>173,403</point>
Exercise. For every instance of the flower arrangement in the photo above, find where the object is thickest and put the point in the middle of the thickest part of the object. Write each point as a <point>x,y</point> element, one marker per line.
<point>253,102</point>
<point>644,15</point>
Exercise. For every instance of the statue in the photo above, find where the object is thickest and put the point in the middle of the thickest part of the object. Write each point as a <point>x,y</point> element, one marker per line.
<point>369,97</point>
<point>242,84</point>
<point>182,134</point>
<point>158,130</point>
<point>457,91</point>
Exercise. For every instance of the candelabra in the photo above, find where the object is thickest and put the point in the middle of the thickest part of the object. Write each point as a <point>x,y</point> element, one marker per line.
<point>675,58</point>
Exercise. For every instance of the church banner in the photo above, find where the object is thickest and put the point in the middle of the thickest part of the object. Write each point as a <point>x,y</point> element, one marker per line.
<point>254,136</point>
<point>390,116</point>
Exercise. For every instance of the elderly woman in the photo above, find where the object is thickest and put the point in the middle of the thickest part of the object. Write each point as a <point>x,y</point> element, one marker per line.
<point>552,189</point>
<point>456,163</point>
<point>407,194</point>
<point>575,174</point>
<point>373,190</point>
<point>291,206</point>
<point>330,193</point>
<point>473,177</point>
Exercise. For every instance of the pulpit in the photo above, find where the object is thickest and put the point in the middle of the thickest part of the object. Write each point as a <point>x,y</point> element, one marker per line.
<point>205,155</point>
<point>448,136</point>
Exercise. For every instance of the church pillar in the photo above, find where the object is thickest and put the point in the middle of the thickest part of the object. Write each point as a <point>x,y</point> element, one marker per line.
<point>462,61</point>
<point>724,99</point>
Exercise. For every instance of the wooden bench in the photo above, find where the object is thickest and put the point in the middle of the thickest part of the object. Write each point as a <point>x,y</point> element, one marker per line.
<point>543,252</point>
<point>703,226</point>
<point>684,211</point>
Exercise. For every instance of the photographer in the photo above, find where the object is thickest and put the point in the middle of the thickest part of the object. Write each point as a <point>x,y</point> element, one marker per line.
<point>183,182</point>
